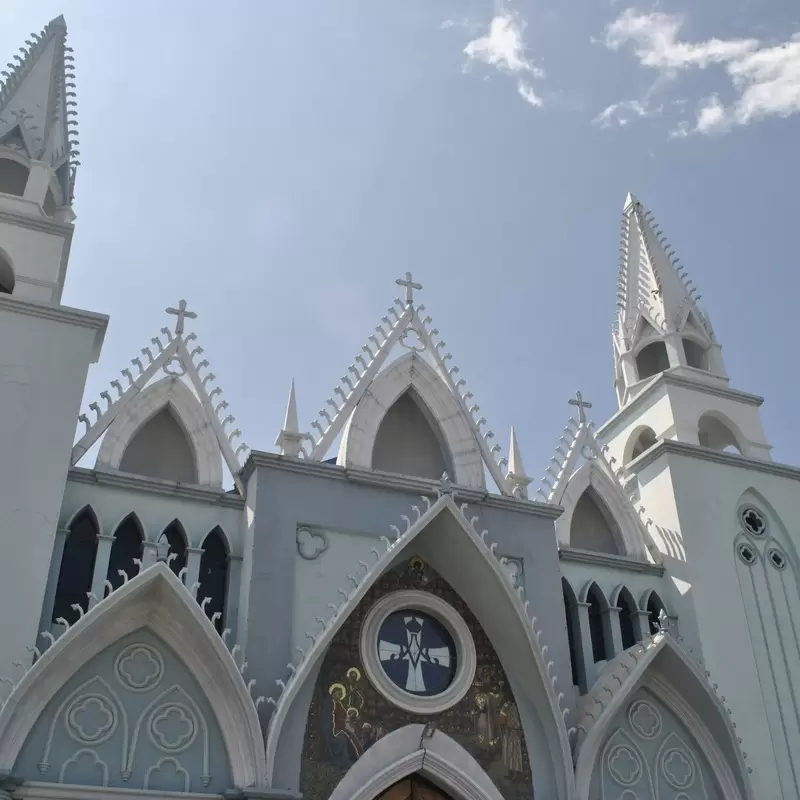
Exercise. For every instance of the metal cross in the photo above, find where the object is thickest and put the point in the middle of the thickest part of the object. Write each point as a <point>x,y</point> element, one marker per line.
<point>181,313</point>
<point>581,403</point>
<point>410,286</point>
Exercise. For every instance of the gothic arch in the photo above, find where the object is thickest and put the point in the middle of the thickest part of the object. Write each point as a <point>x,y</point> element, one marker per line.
<point>156,600</point>
<point>128,542</point>
<point>500,611</point>
<point>718,431</point>
<point>76,568</point>
<point>661,666</point>
<point>214,575</point>
<point>652,603</point>
<point>622,599</point>
<point>457,430</point>
<point>642,438</point>
<point>599,622</point>
<point>405,752</point>
<point>171,394</point>
<point>178,540</point>
<point>633,537</point>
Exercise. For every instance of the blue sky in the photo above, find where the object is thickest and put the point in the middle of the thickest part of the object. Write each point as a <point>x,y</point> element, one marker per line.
<point>280,164</point>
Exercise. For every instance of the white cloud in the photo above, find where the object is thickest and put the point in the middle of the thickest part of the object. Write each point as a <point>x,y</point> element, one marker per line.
<point>623,112</point>
<point>503,48</point>
<point>765,78</point>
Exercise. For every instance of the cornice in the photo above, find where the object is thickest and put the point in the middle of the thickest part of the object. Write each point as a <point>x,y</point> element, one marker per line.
<point>36,790</point>
<point>575,556</point>
<point>138,483</point>
<point>397,483</point>
<point>715,456</point>
<point>42,224</point>
<point>669,379</point>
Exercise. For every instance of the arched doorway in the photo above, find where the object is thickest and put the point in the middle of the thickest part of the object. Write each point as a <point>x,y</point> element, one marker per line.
<point>414,787</point>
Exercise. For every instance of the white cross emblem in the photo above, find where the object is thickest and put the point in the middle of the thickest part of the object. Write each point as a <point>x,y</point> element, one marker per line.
<point>413,652</point>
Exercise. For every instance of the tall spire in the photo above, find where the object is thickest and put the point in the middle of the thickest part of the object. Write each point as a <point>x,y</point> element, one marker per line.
<point>37,102</point>
<point>656,301</point>
<point>516,476</point>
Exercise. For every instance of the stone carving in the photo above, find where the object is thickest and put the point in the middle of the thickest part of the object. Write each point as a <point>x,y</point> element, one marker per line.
<point>84,755</point>
<point>172,727</point>
<point>139,668</point>
<point>624,765</point>
<point>678,768</point>
<point>167,775</point>
<point>513,568</point>
<point>753,520</point>
<point>91,719</point>
<point>311,544</point>
<point>644,719</point>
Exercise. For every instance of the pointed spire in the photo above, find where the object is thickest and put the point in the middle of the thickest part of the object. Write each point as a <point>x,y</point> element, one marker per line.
<point>290,440</point>
<point>37,102</point>
<point>516,476</point>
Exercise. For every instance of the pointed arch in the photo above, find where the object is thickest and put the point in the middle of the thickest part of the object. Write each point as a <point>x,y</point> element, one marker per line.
<point>77,565</point>
<point>602,641</point>
<point>719,432</point>
<point>622,599</point>
<point>651,360</point>
<point>156,600</point>
<point>642,438</point>
<point>445,415</point>
<point>661,666</point>
<point>484,586</point>
<point>632,537</point>
<point>127,546</point>
<point>174,398</point>
<point>400,754</point>
<point>652,603</point>
<point>214,575</point>
<point>175,534</point>
<point>573,630</point>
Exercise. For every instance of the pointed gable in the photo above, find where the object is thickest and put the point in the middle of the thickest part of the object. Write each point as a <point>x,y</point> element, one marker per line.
<point>173,428</point>
<point>353,405</point>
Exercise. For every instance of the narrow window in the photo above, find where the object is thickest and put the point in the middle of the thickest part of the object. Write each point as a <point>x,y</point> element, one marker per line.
<point>177,545</point>
<point>627,608</point>
<point>77,567</point>
<point>214,576</point>
<point>127,547</point>
<point>596,610</point>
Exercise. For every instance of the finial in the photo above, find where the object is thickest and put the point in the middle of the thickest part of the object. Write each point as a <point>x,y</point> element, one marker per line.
<point>290,439</point>
<point>181,313</point>
<point>581,404</point>
<point>410,286</point>
<point>445,485</point>
<point>162,549</point>
<point>516,470</point>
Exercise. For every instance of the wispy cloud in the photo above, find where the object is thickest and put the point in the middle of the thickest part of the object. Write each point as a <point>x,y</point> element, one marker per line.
<point>765,78</point>
<point>503,47</point>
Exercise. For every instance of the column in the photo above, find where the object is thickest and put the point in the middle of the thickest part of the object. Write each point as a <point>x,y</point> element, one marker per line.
<point>193,556</point>
<point>586,671</point>
<point>641,624</point>
<point>677,358</point>
<point>612,632</point>
<point>38,182</point>
<point>232,599</point>
<point>104,545</point>
<point>149,554</point>
<point>52,582</point>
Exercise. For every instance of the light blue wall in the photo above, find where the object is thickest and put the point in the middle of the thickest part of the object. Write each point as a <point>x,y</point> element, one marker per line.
<point>98,722</point>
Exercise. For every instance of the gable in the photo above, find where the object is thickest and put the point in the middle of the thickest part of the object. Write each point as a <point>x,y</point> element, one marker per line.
<point>132,717</point>
<point>650,754</point>
<point>160,449</point>
<point>593,527</point>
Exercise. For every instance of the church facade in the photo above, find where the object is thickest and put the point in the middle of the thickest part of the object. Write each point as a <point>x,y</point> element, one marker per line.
<point>384,605</point>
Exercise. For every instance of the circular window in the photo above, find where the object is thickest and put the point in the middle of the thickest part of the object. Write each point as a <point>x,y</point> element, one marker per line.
<point>417,651</point>
<point>746,553</point>
<point>777,559</point>
<point>753,520</point>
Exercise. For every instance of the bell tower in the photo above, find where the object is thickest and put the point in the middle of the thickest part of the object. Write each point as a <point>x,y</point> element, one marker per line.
<point>47,347</point>
<point>670,376</point>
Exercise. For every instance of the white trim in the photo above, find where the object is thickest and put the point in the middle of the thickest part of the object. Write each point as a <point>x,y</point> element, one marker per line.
<point>412,372</point>
<point>186,408</point>
<point>154,599</point>
<point>40,790</point>
<point>631,538</point>
<point>405,752</point>
<point>466,659</point>
<point>643,667</point>
<point>525,666</point>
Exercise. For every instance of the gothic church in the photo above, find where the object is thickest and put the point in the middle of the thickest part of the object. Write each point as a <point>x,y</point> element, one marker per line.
<point>385,605</point>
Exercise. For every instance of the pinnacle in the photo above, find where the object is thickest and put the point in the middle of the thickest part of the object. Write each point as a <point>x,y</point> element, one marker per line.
<point>58,22</point>
<point>630,200</point>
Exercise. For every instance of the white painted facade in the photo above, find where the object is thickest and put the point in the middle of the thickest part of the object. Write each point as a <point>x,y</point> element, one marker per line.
<point>168,635</point>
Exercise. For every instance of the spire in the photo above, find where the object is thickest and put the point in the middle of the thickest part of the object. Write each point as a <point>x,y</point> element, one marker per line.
<point>290,440</point>
<point>656,300</point>
<point>516,477</point>
<point>37,102</point>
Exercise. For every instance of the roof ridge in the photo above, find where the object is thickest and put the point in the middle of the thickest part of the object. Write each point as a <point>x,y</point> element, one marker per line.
<point>399,320</point>
<point>176,350</point>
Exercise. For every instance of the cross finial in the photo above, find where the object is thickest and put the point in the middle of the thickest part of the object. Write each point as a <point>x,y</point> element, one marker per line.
<point>410,286</point>
<point>582,404</point>
<point>181,313</point>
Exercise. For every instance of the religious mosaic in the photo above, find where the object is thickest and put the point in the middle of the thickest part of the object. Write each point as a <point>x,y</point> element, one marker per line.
<point>348,715</point>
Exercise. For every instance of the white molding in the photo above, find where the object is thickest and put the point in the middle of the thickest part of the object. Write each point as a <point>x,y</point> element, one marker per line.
<point>642,667</point>
<point>405,752</point>
<point>39,790</point>
<point>172,393</point>
<point>412,372</point>
<point>466,659</point>
<point>157,600</point>
<point>577,556</point>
